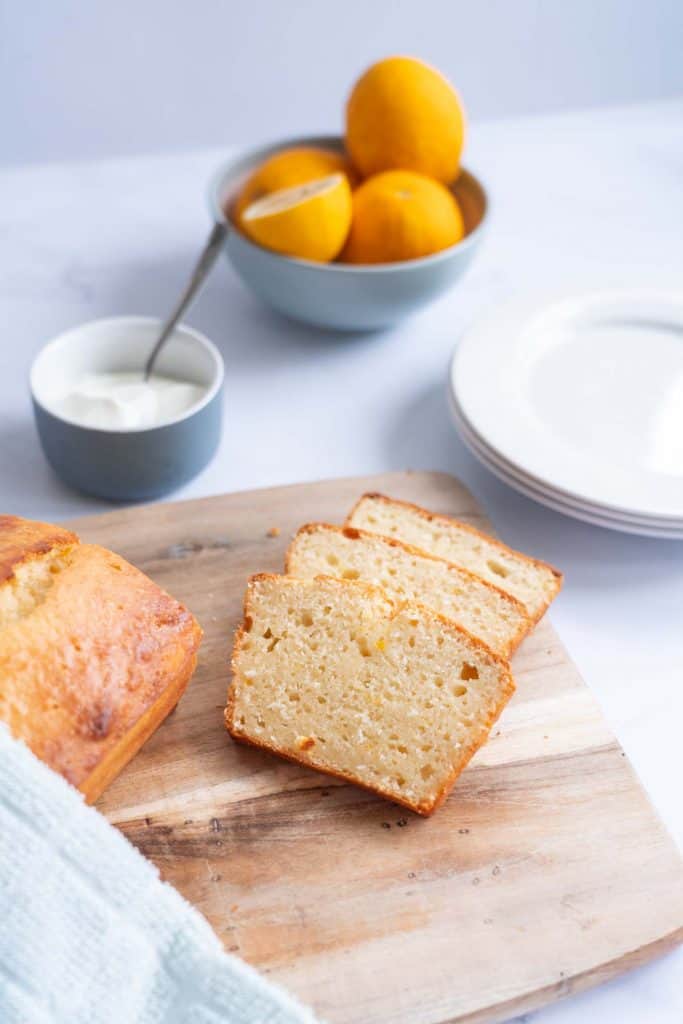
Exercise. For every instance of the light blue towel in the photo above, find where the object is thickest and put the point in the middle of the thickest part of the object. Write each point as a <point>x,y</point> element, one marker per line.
<point>89,934</point>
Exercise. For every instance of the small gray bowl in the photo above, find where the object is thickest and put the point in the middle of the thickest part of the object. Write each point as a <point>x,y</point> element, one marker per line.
<point>127,465</point>
<point>337,295</point>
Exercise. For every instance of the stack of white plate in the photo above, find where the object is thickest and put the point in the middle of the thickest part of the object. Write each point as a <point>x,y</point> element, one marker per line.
<point>577,402</point>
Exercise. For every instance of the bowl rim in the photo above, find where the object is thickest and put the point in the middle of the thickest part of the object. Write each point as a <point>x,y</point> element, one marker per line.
<point>64,339</point>
<point>261,152</point>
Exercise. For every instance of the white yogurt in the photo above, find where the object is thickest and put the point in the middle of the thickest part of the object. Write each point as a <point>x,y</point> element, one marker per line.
<point>124,401</point>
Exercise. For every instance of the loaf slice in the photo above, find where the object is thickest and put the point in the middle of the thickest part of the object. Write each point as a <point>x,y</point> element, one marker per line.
<point>533,583</point>
<point>333,675</point>
<point>408,574</point>
<point>93,654</point>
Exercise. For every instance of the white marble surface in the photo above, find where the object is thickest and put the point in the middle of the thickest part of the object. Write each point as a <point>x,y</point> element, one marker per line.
<point>586,198</point>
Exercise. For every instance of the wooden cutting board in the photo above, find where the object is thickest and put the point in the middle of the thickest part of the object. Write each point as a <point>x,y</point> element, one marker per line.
<point>546,871</point>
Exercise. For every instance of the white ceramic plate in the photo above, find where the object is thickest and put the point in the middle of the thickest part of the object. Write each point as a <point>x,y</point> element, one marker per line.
<point>510,472</point>
<point>583,393</point>
<point>553,501</point>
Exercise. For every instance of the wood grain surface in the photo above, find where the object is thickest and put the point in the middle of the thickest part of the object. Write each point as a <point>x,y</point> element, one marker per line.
<point>546,871</point>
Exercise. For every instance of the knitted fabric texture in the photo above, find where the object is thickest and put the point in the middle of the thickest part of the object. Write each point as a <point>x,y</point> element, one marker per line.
<point>89,934</point>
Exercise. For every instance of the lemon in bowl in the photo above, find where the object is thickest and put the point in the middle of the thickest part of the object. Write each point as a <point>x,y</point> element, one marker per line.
<point>310,221</point>
<point>340,295</point>
<point>403,114</point>
<point>401,215</point>
<point>290,166</point>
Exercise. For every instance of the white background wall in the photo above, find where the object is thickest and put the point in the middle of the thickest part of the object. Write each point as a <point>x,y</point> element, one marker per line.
<point>86,78</point>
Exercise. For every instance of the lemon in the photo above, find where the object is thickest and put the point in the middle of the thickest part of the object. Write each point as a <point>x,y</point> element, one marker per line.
<point>294,166</point>
<point>400,215</point>
<point>404,114</point>
<point>310,221</point>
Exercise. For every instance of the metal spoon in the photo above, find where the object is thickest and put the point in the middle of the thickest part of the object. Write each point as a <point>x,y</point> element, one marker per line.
<point>205,262</point>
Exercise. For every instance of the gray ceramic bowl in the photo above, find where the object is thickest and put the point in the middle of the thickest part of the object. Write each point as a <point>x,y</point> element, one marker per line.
<point>337,295</point>
<point>127,465</point>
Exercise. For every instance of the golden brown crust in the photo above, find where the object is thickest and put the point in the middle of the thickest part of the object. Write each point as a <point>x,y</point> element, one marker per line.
<point>424,808</point>
<point>355,533</point>
<point>469,752</point>
<point>118,756</point>
<point>95,666</point>
<point>441,517</point>
<point>22,540</point>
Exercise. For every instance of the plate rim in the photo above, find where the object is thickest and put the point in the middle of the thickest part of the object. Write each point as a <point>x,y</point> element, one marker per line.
<point>513,472</point>
<point>485,340</point>
<point>557,505</point>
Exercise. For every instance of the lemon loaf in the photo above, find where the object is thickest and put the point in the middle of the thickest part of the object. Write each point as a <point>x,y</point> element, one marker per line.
<point>93,654</point>
<point>408,574</point>
<point>333,675</point>
<point>533,583</point>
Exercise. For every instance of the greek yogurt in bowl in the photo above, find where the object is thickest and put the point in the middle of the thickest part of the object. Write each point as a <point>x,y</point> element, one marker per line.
<point>125,400</point>
<point>108,432</point>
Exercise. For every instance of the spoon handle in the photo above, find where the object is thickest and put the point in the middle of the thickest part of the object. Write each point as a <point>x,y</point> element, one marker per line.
<point>205,262</point>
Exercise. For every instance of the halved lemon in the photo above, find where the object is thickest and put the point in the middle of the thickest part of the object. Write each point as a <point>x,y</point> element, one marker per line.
<point>310,221</point>
<point>290,167</point>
